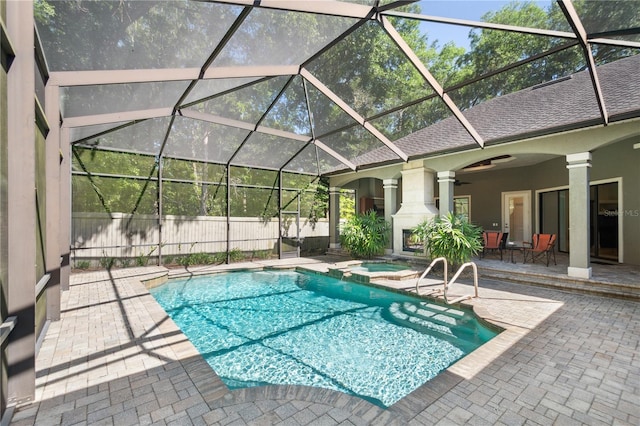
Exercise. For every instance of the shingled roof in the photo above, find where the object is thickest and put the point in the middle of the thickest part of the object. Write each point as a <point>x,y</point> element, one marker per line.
<point>565,104</point>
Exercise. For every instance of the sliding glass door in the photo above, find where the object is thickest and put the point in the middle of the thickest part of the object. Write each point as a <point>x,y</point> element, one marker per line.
<point>604,221</point>
<point>553,217</point>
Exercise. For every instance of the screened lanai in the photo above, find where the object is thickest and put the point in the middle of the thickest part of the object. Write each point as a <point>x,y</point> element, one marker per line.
<point>159,131</point>
<point>210,126</point>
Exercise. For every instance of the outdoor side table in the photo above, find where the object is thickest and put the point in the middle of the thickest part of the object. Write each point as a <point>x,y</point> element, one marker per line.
<point>514,246</point>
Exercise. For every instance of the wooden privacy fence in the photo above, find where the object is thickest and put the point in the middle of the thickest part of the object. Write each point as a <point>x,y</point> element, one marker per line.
<point>119,235</point>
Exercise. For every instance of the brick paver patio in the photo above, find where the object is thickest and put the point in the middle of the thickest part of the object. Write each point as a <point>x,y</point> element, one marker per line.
<point>115,358</point>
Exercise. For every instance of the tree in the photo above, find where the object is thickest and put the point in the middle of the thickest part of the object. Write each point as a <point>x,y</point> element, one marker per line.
<point>347,205</point>
<point>370,73</point>
<point>493,49</point>
<point>134,193</point>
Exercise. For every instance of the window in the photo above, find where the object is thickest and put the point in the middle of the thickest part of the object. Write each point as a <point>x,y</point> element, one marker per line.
<point>461,206</point>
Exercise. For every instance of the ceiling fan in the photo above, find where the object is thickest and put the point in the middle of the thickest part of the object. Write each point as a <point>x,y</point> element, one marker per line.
<point>488,163</point>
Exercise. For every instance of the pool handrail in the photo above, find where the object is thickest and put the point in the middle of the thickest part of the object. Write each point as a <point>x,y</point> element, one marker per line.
<point>455,277</point>
<point>424,274</point>
<point>445,283</point>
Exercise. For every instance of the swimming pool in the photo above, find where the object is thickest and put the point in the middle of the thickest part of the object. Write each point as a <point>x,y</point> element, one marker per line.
<point>284,327</point>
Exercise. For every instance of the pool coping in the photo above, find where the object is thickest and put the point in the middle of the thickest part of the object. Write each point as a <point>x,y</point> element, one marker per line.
<point>217,394</point>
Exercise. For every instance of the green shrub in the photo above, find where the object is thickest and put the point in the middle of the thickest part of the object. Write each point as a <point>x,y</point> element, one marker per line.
<point>187,260</point>
<point>143,259</point>
<point>203,258</point>
<point>107,262</point>
<point>83,264</point>
<point>365,235</point>
<point>236,255</point>
<point>125,262</point>
<point>199,258</point>
<point>451,237</point>
<point>262,254</point>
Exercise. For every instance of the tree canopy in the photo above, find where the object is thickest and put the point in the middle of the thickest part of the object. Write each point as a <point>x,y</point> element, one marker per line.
<point>491,50</point>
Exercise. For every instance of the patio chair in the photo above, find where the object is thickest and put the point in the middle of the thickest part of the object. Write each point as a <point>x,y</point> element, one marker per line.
<point>492,241</point>
<point>542,246</point>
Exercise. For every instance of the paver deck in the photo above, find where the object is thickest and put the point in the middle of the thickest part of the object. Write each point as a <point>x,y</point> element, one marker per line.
<point>115,358</point>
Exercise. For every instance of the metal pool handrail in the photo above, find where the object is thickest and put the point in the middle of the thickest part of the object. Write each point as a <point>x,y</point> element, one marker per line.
<point>455,277</point>
<point>447,284</point>
<point>435,283</point>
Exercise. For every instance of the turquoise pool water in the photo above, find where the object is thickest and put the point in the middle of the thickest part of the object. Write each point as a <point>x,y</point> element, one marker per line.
<point>380,267</point>
<point>284,327</point>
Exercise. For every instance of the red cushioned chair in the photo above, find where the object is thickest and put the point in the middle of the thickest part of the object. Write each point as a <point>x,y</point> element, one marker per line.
<point>542,246</point>
<point>492,241</point>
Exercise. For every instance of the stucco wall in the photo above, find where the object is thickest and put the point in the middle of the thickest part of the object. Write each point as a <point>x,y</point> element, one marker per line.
<point>622,160</point>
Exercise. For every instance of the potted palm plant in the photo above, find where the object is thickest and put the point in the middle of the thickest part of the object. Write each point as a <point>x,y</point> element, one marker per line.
<point>451,237</point>
<point>365,235</point>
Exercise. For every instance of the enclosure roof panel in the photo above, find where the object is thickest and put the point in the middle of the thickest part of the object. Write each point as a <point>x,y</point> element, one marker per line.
<point>77,101</point>
<point>279,37</point>
<point>203,141</point>
<point>312,86</point>
<point>206,89</point>
<point>248,103</point>
<point>268,151</point>
<point>146,136</point>
<point>121,35</point>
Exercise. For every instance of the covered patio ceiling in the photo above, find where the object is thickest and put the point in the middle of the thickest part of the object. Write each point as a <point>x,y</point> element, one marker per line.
<point>307,86</point>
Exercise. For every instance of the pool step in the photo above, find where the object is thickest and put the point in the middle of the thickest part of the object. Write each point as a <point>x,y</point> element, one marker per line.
<point>441,314</point>
<point>431,318</point>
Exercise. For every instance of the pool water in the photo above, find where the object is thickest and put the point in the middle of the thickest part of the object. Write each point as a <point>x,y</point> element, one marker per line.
<point>380,267</point>
<point>285,327</point>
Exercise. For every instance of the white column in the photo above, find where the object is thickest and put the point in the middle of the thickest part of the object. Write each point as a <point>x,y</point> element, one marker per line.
<point>446,182</point>
<point>334,217</point>
<point>390,187</point>
<point>579,166</point>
